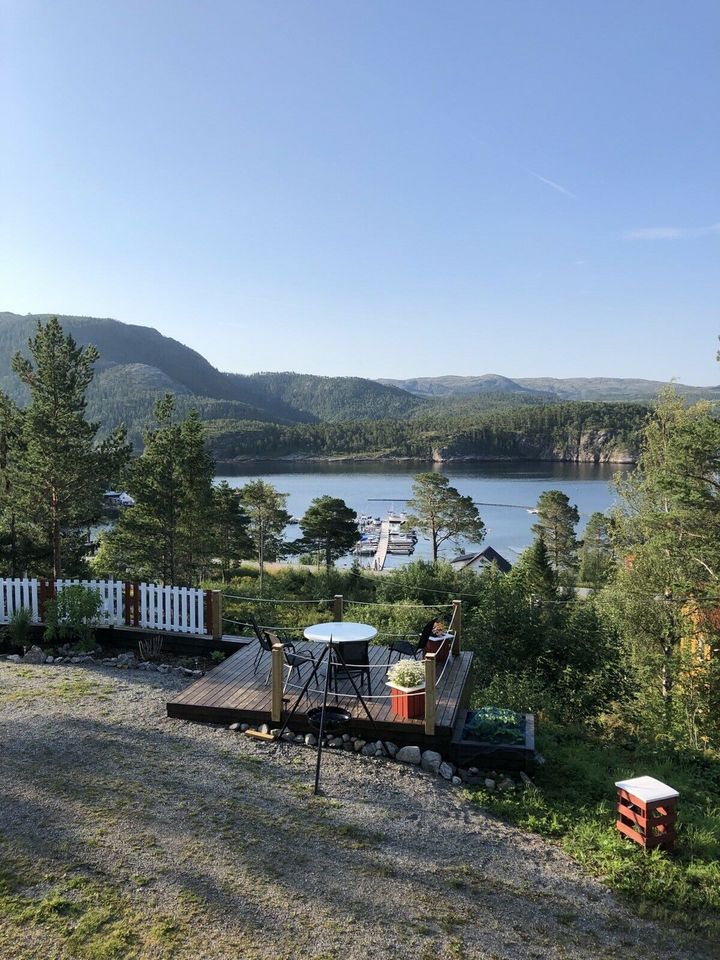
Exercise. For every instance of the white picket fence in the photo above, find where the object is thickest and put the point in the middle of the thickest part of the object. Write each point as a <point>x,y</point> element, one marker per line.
<point>16,595</point>
<point>152,606</point>
<point>181,609</point>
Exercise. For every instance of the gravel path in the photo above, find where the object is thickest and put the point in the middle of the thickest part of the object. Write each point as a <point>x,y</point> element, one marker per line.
<point>161,838</point>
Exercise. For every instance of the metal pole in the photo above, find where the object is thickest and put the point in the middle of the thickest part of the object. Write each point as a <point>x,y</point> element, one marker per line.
<point>322,718</point>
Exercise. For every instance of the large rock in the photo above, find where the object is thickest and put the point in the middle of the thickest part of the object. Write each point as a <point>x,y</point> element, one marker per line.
<point>431,761</point>
<point>409,755</point>
<point>368,750</point>
<point>446,771</point>
<point>34,655</point>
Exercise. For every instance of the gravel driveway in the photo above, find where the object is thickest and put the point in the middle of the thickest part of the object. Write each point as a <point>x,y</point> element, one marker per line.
<point>126,834</point>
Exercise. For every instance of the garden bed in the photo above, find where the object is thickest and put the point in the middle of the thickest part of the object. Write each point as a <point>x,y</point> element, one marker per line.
<point>494,738</point>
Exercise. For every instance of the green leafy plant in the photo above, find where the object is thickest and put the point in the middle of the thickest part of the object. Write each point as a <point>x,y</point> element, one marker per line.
<point>19,627</point>
<point>73,615</point>
<point>494,725</point>
<point>407,673</point>
<point>218,656</point>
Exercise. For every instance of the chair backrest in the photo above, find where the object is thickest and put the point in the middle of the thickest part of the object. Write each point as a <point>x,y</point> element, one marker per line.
<point>269,640</point>
<point>354,653</point>
<point>258,630</point>
<point>426,633</point>
<point>404,647</point>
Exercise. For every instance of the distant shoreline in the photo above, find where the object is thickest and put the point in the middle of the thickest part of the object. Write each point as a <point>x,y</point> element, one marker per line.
<point>620,460</point>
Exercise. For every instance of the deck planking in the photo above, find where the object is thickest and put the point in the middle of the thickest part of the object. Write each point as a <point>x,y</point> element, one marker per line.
<point>235,692</point>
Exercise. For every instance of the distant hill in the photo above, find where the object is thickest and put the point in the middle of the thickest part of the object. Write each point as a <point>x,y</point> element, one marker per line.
<point>458,386</point>
<point>549,388</point>
<point>138,364</point>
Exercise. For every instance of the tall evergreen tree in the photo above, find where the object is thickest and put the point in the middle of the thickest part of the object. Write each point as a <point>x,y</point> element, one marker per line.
<point>441,513</point>
<point>265,508</point>
<point>668,533</point>
<point>556,522</point>
<point>329,526</point>
<point>230,523</point>
<point>63,473</point>
<point>535,572</point>
<point>596,551</point>
<point>167,534</point>
<point>15,548</point>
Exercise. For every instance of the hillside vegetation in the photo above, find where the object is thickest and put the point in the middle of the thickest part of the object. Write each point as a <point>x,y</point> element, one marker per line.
<point>290,414</point>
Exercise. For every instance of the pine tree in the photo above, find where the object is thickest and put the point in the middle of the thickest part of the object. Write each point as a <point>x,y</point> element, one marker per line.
<point>329,526</point>
<point>556,521</point>
<point>63,473</point>
<point>441,513</point>
<point>596,551</point>
<point>15,549</point>
<point>536,572</point>
<point>230,524</point>
<point>265,508</point>
<point>167,534</point>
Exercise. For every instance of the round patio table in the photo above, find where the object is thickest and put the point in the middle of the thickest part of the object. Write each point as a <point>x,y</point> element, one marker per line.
<point>342,631</point>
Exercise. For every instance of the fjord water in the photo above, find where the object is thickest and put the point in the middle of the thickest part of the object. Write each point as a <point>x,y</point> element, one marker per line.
<point>375,488</point>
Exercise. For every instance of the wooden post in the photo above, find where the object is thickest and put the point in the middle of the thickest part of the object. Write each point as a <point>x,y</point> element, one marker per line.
<point>277,683</point>
<point>207,600</point>
<point>338,608</point>
<point>430,695</point>
<point>127,603</point>
<point>46,591</point>
<point>457,626</point>
<point>136,604</point>
<point>217,618</point>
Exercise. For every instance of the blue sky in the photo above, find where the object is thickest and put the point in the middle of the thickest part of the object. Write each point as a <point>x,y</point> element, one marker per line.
<point>391,188</point>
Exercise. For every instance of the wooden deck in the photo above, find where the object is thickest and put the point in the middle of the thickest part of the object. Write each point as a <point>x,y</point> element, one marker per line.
<point>233,692</point>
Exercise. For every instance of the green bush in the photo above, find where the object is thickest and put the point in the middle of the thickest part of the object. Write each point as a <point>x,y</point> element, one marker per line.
<point>19,627</point>
<point>72,616</point>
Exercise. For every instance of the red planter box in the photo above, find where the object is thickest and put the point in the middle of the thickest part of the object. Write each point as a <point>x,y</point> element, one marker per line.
<point>440,646</point>
<point>410,706</point>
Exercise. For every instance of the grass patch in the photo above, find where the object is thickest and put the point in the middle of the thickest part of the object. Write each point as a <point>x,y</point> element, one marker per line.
<point>574,801</point>
<point>85,917</point>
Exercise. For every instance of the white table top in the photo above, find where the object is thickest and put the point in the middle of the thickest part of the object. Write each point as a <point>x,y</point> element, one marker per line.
<point>339,632</point>
<point>647,789</point>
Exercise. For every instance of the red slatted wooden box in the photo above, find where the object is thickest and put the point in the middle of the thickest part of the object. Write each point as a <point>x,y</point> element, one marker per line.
<point>647,812</point>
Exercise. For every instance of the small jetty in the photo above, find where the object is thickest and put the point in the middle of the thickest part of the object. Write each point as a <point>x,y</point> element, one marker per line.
<point>382,547</point>
<point>378,538</point>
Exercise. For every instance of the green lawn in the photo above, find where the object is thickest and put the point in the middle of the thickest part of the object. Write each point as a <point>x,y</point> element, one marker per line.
<point>574,800</point>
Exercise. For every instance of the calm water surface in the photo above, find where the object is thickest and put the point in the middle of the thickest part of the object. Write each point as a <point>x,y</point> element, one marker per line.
<point>375,488</point>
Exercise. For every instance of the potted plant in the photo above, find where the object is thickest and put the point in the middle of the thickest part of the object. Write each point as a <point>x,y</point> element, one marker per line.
<point>406,680</point>
<point>439,642</point>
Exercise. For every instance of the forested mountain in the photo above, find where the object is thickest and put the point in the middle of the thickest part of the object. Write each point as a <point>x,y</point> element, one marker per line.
<point>138,365</point>
<point>582,432</point>
<point>548,388</point>
<point>290,414</point>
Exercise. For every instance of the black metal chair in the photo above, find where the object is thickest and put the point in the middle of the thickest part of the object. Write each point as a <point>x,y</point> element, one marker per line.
<point>295,660</point>
<point>403,648</point>
<point>264,647</point>
<point>352,659</point>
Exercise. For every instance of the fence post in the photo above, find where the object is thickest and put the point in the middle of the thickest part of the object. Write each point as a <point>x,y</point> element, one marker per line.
<point>338,608</point>
<point>217,617</point>
<point>430,695</point>
<point>207,600</point>
<point>277,683</point>
<point>46,592</point>
<point>127,601</point>
<point>136,604</point>
<point>457,621</point>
